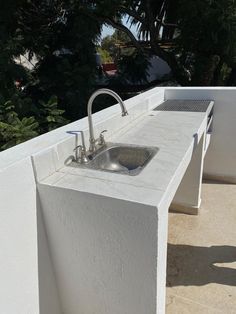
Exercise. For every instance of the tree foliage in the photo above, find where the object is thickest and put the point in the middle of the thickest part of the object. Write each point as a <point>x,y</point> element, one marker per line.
<point>195,37</point>
<point>105,55</point>
<point>113,43</point>
<point>31,120</point>
<point>14,130</point>
<point>207,37</point>
<point>133,68</point>
<point>202,33</point>
<point>65,49</point>
<point>61,37</point>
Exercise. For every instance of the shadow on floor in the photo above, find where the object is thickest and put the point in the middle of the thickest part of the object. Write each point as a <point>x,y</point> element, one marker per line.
<point>196,266</point>
<point>217,182</point>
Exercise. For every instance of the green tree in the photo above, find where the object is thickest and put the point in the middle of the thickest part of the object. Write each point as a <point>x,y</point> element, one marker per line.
<point>105,55</point>
<point>14,130</point>
<point>208,39</point>
<point>114,43</point>
<point>108,44</point>
<point>10,47</point>
<point>150,18</point>
<point>201,34</point>
<point>49,116</point>
<point>65,47</point>
<point>31,120</point>
<point>133,68</point>
<point>62,37</point>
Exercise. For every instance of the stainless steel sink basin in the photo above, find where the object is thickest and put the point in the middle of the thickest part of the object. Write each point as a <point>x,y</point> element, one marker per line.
<point>120,158</point>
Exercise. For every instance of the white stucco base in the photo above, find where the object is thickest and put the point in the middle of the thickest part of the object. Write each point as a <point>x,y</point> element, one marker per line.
<point>103,252</point>
<point>105,255</point>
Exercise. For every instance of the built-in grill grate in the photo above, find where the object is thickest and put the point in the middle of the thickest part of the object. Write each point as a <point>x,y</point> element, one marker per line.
<point>184,105</point>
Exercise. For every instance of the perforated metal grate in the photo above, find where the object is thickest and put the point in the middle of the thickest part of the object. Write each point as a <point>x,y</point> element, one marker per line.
<point>184,105</point>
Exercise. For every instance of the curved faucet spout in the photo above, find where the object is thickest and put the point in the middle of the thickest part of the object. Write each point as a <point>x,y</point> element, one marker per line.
<point>89,108</point>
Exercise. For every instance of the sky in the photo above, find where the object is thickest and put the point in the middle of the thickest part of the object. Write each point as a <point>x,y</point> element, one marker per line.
<point>110,30</point>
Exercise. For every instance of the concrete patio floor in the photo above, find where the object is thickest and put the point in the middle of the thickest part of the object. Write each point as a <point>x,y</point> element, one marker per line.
<point>201,272</point>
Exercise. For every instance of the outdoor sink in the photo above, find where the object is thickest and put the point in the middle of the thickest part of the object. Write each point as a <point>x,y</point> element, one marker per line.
<point>120,158</point>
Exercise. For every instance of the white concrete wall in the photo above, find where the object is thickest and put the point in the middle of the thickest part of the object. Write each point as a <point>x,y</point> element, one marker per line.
<point>104,252</point>
<point>27,278</point>
<point>18,240</point>
<point>27,284</point>
<point>49,300</point>
<point>220,159</point>
<point>188,195</point>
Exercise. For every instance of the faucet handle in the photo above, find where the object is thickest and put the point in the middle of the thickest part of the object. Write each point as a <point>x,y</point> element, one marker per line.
<point>80,150</point>
<point>76,138</point>
<point>103,131</point>
<point>80,156</point>
<point>78,147</point>
<point>101,138</point>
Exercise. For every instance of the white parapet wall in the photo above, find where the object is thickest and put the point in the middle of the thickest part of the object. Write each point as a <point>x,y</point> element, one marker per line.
<point>28,284</point>
<point>29,279</point>
<point>220,160</point>
<point>18,240</point>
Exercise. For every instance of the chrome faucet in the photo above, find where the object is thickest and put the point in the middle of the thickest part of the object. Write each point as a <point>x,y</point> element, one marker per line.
<point>81,155</point>
<point>101,140</point>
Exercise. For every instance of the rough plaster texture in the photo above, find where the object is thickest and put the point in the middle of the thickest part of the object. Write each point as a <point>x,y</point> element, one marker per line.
<point>27,284</point>
<point>18,240</point>
<point>29,268</point>
<point>188,195</point>
<point>49,301</point>
<point>27,279</point>
<point>155,187</point>
<point>103,251</point>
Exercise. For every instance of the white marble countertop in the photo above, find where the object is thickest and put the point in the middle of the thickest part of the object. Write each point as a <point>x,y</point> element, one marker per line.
<point>174,133</point>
